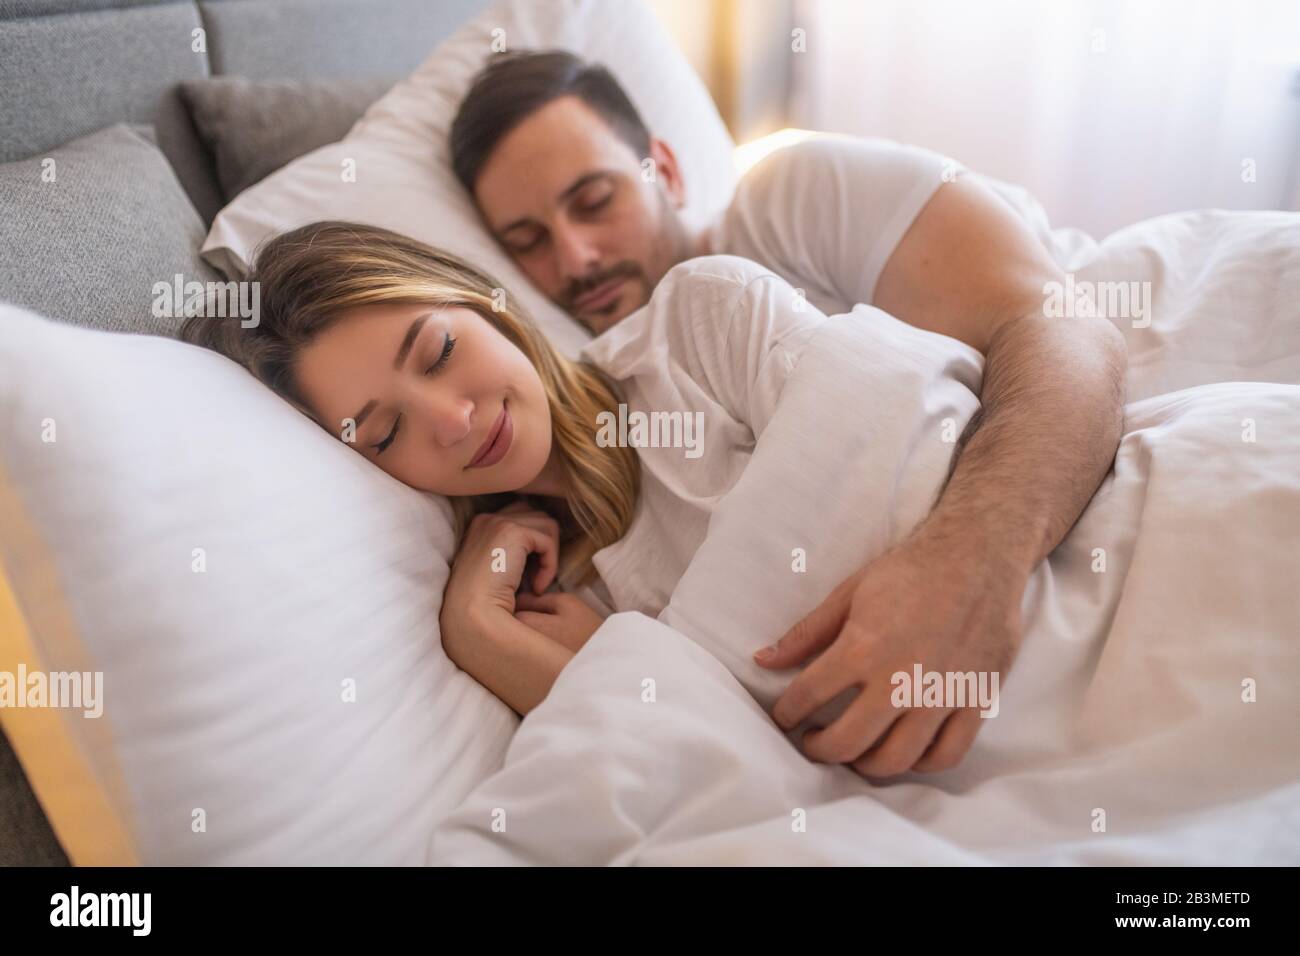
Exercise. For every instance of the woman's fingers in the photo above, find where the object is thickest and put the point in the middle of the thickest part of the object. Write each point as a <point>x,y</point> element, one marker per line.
<point>544,603</point>
<point>547,548</point>
<point>519,512</point>
<point>523,531</point>
<point>518,535</point>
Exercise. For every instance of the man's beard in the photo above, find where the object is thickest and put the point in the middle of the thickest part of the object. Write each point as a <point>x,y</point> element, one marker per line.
<point>671,246</point>
<point>628,270</point>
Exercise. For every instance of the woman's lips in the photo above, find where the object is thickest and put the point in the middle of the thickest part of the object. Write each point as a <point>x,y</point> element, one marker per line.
<point>497,443</point>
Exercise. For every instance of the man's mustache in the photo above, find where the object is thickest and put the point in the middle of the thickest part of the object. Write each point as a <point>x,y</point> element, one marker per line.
<point>580,287</point>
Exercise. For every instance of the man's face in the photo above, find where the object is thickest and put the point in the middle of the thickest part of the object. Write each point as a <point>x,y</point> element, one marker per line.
<point>573,205</point>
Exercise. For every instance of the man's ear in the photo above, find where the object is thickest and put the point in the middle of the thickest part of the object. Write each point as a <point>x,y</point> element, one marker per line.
<point>668,172</point>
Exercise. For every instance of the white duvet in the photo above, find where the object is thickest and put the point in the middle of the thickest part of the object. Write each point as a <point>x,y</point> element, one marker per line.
<point>1153,714</point>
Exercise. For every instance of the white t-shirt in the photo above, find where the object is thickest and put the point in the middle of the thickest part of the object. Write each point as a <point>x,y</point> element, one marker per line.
<point>721,334</point>
<point>827,213</point>
<point>717,340</point>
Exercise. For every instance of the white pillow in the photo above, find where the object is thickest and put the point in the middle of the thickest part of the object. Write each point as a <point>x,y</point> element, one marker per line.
<point>226,669</point>
<point>398,149</point>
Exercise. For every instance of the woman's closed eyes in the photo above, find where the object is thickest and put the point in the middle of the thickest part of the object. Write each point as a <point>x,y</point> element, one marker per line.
<point>448,345</point>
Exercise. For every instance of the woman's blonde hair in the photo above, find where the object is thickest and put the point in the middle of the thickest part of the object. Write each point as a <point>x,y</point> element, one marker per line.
<point>310,276</point>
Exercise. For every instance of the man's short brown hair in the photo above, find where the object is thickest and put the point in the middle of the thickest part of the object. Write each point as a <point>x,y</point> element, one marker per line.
<point>515,85</point>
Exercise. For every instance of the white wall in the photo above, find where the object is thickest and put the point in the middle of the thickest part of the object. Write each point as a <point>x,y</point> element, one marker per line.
<point>1109,111</point>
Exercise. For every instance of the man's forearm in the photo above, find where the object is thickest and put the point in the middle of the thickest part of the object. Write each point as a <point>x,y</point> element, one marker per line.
<point>1052,416</point>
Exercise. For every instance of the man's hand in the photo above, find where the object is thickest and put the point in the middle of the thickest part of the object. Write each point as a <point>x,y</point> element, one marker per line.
<point>911,606</point>
<point>949,596</point>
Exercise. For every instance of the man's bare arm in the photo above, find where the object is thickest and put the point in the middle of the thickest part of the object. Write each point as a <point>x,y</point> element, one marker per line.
<point>1053,389</point>
<point>948,597</point>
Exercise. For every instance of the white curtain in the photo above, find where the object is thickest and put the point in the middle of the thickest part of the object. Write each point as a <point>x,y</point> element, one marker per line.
<point>1108,111</point>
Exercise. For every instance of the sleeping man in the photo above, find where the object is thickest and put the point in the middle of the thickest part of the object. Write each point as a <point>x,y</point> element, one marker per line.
<point>554,154</point>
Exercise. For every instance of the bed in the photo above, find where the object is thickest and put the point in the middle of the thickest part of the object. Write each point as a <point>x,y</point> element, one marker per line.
<point>261,711</point>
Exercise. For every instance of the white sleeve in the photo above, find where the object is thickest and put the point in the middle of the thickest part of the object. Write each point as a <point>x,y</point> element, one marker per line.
<point>748,348</point>
<point>827,213</point>
<point>720,334</point>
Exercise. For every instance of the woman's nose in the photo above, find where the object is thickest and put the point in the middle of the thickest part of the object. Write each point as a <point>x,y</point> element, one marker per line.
<point>450,418</point>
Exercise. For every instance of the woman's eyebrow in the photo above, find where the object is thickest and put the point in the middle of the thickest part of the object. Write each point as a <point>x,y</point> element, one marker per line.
<point>409,340</point>
<point>403,351</point>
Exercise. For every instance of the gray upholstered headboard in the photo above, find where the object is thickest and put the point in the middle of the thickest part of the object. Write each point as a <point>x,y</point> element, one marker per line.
<point>71,67</point>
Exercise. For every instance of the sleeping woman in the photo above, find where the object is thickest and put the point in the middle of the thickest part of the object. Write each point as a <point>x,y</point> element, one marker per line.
<point>413,358</point>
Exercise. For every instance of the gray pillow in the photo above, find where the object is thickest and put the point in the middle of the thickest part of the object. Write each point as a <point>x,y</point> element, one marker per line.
<point>84,238</point>
<point>253,127</point>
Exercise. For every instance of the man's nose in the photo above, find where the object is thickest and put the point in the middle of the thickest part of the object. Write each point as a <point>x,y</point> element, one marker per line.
<point>577,255</point>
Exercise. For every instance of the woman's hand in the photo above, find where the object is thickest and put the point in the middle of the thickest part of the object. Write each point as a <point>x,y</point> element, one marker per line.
<point>479,630</point>
<point>564,618</point>
<point>489,568</point>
